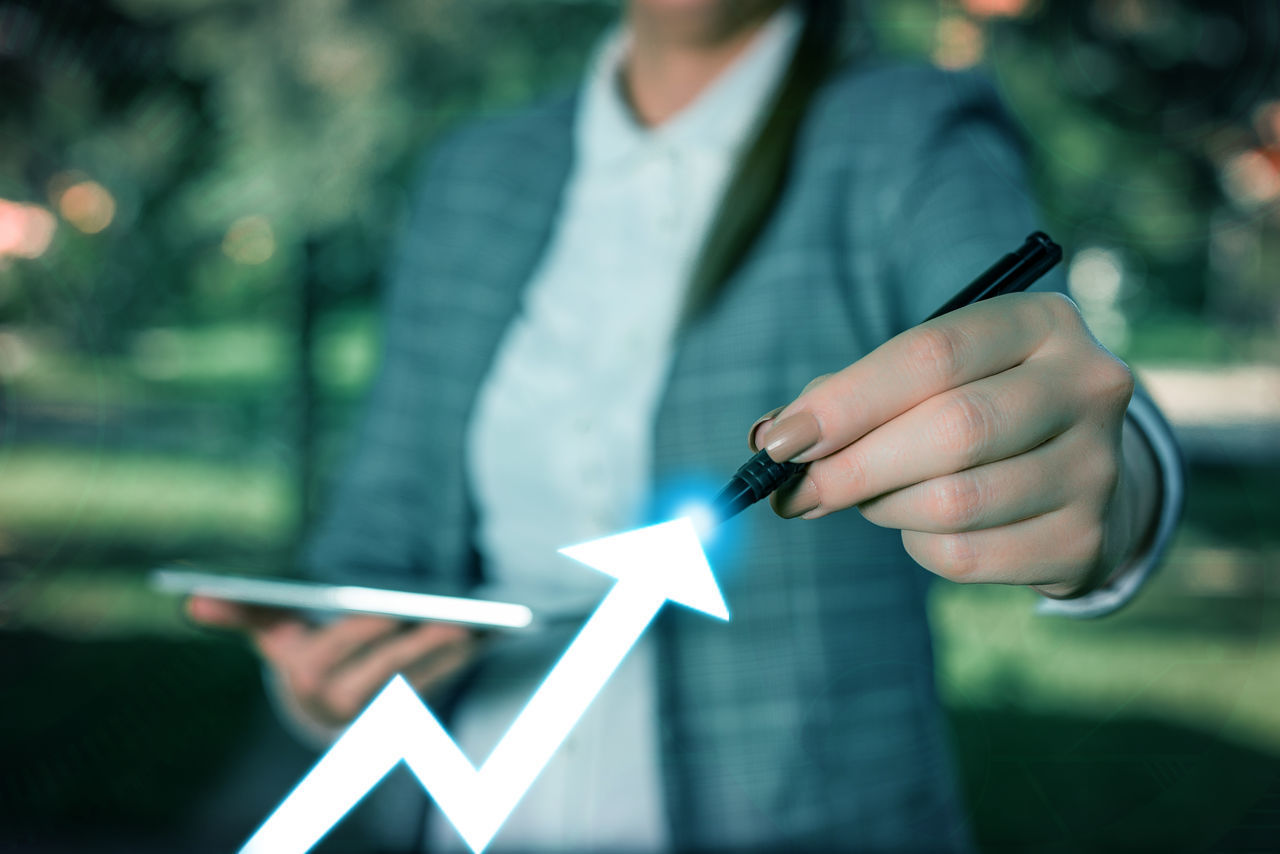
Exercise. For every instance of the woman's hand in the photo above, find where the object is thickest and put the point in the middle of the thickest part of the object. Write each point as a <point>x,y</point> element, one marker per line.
<point>329,673</point>
<point>991,436</point>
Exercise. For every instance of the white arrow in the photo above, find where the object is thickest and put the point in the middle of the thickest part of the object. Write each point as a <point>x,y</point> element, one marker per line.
<point>651,565</point>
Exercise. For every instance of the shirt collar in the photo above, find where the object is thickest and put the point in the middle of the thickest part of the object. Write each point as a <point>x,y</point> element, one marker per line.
<point>719,120</point>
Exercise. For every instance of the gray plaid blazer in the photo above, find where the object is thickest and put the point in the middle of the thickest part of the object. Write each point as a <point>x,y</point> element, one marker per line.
<point>811,719</point>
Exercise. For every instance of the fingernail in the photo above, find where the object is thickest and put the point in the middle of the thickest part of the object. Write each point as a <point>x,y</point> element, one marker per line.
<point>751,434</point>
<point>797,498</point>
<point>790,437</point>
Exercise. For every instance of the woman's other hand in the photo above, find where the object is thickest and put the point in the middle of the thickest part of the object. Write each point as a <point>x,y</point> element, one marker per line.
<point>329,673</point>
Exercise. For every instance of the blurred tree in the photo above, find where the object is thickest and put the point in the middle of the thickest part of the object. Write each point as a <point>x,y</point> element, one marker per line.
<point>1138,113</point>
<point>226,134</point>
<point>186,162</point>
<point>95,127</point>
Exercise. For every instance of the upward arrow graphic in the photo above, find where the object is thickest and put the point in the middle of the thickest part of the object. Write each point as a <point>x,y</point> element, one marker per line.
<point>651,565</point>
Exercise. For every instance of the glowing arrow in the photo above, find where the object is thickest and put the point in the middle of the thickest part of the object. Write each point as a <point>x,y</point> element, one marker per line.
<point>651,565</point>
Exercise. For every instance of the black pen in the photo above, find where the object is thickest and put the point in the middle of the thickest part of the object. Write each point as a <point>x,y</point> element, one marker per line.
<point>1015,272</point>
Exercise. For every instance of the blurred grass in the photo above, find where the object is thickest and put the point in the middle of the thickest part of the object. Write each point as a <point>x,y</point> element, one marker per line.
<point>1173,655</point>
<point>252,358</point>
<point>215,362</point>
<point>1155,727</point>
<point>1183,339</point>
<point>84,494</point>
<point>117,736</point>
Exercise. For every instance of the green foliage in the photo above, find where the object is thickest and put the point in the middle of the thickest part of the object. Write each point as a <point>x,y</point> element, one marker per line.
<point>1137,115</point>
<point>236,138</point>
<point>230,133</point>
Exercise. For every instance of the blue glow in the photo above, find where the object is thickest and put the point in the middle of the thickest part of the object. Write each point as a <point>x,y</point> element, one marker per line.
<point>690,494</point>
<point>652,565</point>
<point>703,518</point>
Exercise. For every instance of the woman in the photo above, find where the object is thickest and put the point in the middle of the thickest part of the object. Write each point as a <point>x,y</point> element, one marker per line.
<point>594,297</point>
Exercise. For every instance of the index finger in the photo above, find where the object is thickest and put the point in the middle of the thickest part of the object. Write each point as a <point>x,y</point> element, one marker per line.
<point>965,345</point>
<point>272,630</point>
<point>226,614</point>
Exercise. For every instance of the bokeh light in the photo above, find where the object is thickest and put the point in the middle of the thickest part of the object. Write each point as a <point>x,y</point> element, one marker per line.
<point>996,8</point>
<point>1096,282</point>
<point>250,240</point>
<point>16,355</point>
<point>1252,178</point>
<point>960,44</point>
<point>25,230</point>
<point>88,206</point>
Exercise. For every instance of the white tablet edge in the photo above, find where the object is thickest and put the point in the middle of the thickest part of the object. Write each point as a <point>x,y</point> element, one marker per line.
<point>310,595</point>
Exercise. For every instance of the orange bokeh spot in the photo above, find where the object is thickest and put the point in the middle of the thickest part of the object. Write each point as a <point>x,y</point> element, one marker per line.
<point>88,206</point>
<point>960,44</point>
<point>1252,177</point>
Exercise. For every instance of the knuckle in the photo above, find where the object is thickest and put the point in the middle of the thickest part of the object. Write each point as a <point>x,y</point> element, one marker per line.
<point>935,351</point>
<point>814,383</point>
<point>1087,542</point>
<point>1060,309</point>
<point>963,427</point>
<point>1115,381</point>
<point>956,503</point>
<point>1095,469</point>
<point>950,556</point>
<point>957,559</point>
<point>847,479</point>
<point>1107,478</point>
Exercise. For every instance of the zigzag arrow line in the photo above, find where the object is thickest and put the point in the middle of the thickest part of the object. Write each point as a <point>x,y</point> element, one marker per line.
<point>651,565</point>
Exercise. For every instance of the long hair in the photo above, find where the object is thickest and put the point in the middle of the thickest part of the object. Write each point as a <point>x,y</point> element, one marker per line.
<point>762,171</point>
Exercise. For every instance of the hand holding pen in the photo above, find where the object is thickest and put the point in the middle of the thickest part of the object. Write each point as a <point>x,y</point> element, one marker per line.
<point>992,436</point>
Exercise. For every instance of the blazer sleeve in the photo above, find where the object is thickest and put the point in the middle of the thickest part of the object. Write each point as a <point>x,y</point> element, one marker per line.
<point>963,200</point>
<point>373,525</point>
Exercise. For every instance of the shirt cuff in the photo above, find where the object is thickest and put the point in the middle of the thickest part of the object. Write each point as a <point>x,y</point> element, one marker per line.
<point>1143,414</point>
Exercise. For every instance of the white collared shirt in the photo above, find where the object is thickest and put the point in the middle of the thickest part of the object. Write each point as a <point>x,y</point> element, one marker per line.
<point>578,376</point>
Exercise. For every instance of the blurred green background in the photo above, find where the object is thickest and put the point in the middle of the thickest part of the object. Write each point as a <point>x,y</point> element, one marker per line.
<point>196,199</point>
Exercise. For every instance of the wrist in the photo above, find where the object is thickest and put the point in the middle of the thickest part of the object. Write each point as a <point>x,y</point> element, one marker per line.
<point>1138,503</point>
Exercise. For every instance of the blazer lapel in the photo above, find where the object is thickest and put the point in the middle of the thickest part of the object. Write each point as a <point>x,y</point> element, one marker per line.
<point>530,180</point>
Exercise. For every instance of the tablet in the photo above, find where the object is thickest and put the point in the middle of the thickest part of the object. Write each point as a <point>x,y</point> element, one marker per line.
<point>337,599</point>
